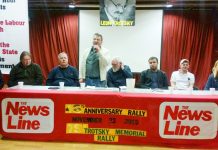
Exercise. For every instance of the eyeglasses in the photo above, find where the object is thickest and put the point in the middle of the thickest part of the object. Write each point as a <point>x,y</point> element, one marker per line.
<point>118,5</point>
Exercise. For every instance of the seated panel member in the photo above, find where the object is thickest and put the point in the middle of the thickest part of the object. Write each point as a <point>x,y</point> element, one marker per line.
<point>153,77</point>
<point>63,73</point>
<point>182,79</point>
<point>25,71</point>
<point>116,76</point>
<point>1,80</point>
<point>212,81</point>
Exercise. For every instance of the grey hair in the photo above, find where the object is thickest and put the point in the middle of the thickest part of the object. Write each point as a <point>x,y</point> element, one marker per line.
<point>24,53</point>
<point>117,59</point>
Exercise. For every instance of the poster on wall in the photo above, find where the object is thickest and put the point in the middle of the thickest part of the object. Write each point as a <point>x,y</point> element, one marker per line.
<point>117,12</point>
<point>14,32</point>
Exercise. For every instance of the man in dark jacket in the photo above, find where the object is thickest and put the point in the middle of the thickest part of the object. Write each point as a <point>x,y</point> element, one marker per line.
<point>116,76</point>
<point>25,71</point>
<point>63,73</point>
<point>153,78</point>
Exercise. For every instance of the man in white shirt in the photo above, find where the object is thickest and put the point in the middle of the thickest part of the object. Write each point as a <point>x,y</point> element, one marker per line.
<point>182,79</point>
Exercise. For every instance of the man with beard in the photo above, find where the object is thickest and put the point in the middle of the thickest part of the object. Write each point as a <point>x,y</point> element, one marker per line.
<point>153,78</point>
<point>116,76</point>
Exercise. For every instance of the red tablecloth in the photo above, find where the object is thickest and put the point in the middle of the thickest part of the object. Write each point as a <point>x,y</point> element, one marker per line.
<point>109,117</point>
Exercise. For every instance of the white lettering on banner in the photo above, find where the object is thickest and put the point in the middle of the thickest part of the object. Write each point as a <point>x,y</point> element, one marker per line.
<point>27,115</point>
<point>188,120</point>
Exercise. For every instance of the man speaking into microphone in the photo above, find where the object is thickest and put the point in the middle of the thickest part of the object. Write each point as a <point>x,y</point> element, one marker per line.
<point>94,63</point>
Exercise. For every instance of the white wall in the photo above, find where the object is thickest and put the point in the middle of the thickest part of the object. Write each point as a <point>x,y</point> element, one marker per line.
<point>134,45</point>
<point>14,35</point>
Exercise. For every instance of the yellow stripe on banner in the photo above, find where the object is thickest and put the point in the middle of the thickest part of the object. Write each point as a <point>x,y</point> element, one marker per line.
<point>74,108</point>
<point>81,109</point>
<point>76,128</point>
<point>106,138</point>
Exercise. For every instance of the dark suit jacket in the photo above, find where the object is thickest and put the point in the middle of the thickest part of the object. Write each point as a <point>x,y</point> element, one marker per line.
<point>146,82</point>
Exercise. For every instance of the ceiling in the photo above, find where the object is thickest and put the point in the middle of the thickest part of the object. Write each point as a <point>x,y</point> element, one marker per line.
<point>80,4</point>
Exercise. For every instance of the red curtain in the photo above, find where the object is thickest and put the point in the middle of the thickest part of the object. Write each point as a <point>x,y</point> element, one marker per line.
<point>188,35</point>
<point>50,34</point>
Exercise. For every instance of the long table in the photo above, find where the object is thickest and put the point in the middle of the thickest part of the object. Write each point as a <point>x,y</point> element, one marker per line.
<point>139,117</point>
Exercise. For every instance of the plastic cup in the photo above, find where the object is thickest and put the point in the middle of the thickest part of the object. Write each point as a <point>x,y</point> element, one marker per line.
<point>20,84</point>
<point>130,84</point>
<point>170,88</point>
<point>212,91</point>
<point>82,85</point>
<point>190,90</point>
<point>61,84</point>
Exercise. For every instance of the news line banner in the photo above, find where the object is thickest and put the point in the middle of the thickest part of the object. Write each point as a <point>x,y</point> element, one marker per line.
<point>110,118</point>
<point>14,32</point>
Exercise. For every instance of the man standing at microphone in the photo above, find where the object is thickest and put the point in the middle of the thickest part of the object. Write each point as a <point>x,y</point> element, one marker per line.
<point>94,63</point>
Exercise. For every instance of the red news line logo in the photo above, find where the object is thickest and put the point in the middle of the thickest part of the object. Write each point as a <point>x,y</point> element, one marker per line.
<point>184,114</point>
<point>188,120</point>
<point>27,115</point>
<point>22,110</point>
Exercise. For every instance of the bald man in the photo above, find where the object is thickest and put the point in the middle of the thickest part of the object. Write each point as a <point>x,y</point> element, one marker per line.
<point>63,73</point>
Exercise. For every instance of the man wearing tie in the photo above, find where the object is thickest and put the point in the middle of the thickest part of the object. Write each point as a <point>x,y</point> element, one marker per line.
<point>93,67</point>
<point>182,79</point>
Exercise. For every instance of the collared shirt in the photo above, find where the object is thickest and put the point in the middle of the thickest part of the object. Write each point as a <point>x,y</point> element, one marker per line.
<point>92,65</point>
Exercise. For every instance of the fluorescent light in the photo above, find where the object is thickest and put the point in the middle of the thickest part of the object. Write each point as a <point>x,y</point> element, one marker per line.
<point>71,6</point>
<point>169,5</point>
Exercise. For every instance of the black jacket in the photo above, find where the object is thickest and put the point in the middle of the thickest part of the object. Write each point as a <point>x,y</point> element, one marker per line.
<point>146,81</point>
<point>30,75</point>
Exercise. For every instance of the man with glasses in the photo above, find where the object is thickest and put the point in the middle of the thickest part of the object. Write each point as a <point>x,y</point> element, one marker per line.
<point>182,79</point>
<point>153,78</point>
<point>117,10</point>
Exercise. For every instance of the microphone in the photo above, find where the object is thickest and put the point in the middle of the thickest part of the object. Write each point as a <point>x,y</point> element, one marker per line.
<point>94,49</point>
